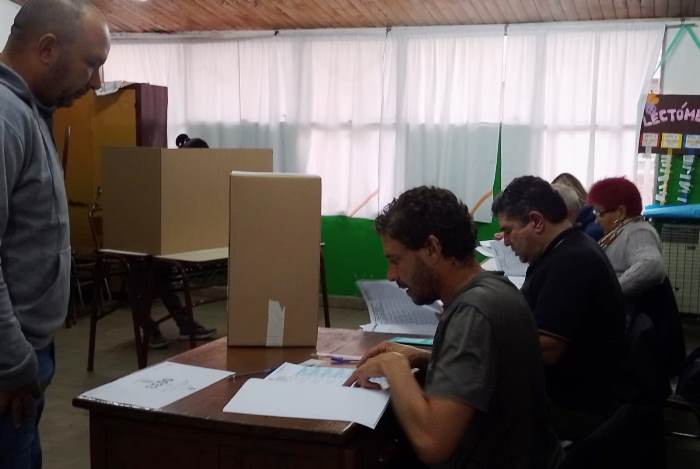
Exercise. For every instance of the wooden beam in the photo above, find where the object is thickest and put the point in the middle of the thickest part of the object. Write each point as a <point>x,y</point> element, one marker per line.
<point>660,8</point>
<point>608,9</point>
<point>595,10</point>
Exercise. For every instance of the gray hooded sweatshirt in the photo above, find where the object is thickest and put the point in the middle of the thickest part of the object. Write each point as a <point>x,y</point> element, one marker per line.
<point>34,235</point>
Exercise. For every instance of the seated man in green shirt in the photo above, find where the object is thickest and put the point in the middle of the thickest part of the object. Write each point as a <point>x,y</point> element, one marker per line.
<point>483,403</point>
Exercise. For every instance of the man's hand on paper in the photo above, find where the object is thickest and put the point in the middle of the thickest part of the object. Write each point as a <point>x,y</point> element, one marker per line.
<point>379,365</point>
<point>417,358</point>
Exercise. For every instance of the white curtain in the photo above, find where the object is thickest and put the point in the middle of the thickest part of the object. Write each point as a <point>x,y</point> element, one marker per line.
<point>316,99</point>
<point>572,98</point>
<point>374,113</point>
<point>442,106</point>
<point>202,81</point>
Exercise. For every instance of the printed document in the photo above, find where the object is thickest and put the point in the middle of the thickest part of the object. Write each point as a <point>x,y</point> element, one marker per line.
<point>508,262</point>
<point>391,310</point>
<point>158,385</point>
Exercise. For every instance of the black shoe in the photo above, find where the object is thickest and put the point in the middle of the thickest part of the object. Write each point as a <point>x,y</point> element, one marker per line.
<point>200,332</point>
<point>157,340</point>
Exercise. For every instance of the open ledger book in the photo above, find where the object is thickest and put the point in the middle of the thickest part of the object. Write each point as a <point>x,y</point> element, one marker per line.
<point>392,310</point>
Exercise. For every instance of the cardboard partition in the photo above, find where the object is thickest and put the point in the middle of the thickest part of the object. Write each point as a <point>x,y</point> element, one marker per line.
<point>160,201</point>
<point>274,252</point>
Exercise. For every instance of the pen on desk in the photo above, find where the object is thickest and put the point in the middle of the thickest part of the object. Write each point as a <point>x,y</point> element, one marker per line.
<point>256,372</point>
<point>340,360</point>
<point>339,357</point>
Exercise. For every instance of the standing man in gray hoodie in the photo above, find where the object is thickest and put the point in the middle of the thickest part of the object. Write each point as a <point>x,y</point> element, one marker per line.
<point>53,56</point>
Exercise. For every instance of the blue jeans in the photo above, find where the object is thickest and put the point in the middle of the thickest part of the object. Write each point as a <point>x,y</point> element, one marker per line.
<point>20,448</point>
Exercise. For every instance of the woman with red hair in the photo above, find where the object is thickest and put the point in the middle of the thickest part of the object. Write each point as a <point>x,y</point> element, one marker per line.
<point>632,244</point>
<point>634,250</point>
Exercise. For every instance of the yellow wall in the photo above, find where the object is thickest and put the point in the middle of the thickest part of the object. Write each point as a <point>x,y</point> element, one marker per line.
<point>95,122</point>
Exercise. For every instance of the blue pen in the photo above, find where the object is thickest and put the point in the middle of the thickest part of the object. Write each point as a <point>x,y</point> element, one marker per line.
<point>339,360</point>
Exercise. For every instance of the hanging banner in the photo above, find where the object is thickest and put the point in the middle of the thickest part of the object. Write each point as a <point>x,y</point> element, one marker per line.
<point>670,124</point>
<point>685,178</point>
<point>664,174</point>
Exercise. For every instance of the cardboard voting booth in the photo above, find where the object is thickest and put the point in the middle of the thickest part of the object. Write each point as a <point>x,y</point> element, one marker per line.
<point>274,245</point>
<point>160,201</point>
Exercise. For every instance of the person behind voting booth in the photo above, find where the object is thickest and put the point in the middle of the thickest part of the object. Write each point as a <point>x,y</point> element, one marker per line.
<point>484,402</point>
<point>52,57</point>
<point>165,276</point>
<point>576,301</point>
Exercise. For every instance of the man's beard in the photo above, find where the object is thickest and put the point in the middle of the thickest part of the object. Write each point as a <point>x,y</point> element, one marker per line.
<point>423,285</point>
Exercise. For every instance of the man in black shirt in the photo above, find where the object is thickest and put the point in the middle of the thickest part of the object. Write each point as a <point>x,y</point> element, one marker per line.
<point>484,402</point>
<point>576,300</point>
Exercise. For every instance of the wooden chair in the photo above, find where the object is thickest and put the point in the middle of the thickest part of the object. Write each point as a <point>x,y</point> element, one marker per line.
<point>106,270</point>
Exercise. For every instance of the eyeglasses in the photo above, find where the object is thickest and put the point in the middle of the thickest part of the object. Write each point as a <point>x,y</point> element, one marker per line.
<point>600,214</point>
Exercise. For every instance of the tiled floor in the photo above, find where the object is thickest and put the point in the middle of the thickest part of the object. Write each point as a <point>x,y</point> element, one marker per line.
<point>65,432</point>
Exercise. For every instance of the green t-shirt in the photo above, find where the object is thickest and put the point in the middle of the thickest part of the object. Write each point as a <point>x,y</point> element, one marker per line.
<point>486,354</point>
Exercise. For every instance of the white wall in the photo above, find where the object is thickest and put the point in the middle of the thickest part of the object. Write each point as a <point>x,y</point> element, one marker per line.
<point>681,70</point>
<point>8,10</point>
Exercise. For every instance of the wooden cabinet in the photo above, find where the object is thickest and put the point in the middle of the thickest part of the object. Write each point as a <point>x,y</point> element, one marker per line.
<point>136,115</point>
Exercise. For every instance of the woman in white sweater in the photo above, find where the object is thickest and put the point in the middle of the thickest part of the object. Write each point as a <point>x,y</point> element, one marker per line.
<point>632,244</point>
<point>634,249</point>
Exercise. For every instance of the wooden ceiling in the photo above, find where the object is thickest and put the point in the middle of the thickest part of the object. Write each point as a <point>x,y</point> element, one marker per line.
<point>207,15</point>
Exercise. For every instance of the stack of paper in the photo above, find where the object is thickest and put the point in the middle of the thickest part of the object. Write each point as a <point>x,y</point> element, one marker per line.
<point>392,310</point>
<point>508,262</point>
<point>310,393</point>
<point>157,386</point>
<point>484,248</point>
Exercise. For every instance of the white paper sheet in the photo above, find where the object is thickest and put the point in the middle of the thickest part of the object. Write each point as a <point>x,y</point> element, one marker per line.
<point>490,264</point>
<point>320,375</point>
<point>157,386</point>
<point>391,310</point>
<point>517,281</point>
<point>413,329</point>
<point>487,252</point>
<point>309,401</point>
<point>508,262</point>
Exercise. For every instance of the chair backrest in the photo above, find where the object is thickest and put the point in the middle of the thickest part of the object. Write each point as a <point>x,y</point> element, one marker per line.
<point>633,435</point>
<point>95,222</point>
<point>645,362</point>
<point>689,379</point>
<point>659,304</point>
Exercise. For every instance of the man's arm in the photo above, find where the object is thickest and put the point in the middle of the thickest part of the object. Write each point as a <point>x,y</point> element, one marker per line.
<point>417,357</point>
<point>646,266</point>
<point>434,425</point>
<point>552,348</point>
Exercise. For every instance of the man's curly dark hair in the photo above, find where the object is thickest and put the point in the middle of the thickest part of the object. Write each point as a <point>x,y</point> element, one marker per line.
<point>423,211</point>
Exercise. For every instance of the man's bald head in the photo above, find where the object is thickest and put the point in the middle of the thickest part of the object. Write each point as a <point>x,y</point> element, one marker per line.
<point>58,47</point>
<point>62,18</point>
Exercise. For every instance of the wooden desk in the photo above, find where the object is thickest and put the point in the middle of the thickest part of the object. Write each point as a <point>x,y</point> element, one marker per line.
<point>194,432</point>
